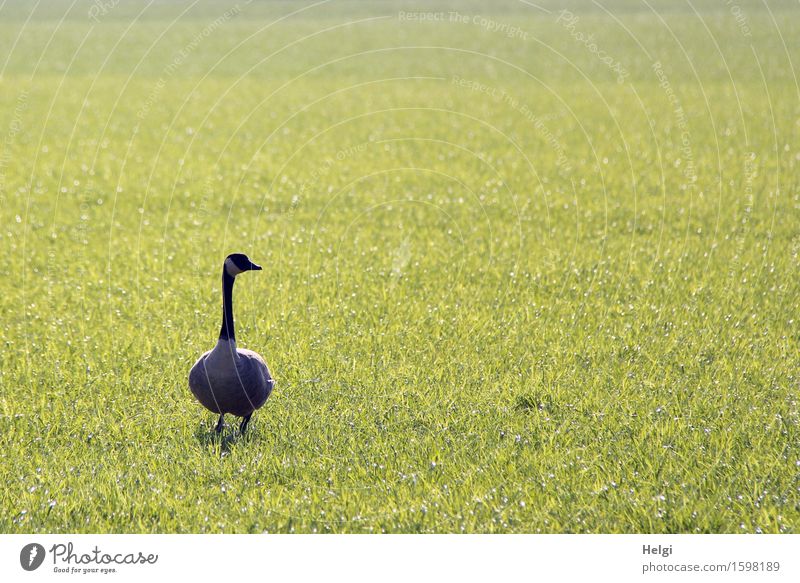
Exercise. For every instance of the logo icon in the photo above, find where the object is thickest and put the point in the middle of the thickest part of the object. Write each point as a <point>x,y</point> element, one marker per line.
<point>31,556</point>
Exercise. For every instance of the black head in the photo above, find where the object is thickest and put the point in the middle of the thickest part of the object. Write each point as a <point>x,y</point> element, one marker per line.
<point>236,263</point>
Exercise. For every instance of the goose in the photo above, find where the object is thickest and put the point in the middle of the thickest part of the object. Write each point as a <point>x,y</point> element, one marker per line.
<point>228,379</point>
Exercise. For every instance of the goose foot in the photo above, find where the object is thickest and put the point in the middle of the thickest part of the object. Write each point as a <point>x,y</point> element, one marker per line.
<point>243,426</point>
<point>220,424</point>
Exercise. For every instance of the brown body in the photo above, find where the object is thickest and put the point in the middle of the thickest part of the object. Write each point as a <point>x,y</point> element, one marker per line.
<point>231,380</point>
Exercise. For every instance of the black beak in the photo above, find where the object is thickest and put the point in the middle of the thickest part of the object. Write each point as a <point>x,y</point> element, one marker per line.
<point>255,267</point>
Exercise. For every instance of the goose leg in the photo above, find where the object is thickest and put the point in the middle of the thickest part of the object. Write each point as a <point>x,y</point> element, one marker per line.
<point>220,424</point>
<point>243,426</point>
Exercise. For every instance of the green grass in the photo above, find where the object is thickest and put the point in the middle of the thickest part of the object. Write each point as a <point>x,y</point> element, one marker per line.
<point>503,292</point>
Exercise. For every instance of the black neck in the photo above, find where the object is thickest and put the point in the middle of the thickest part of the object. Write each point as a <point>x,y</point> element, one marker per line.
<point>227,332</point>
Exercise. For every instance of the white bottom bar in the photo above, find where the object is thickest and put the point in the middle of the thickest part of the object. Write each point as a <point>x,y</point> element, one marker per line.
<point>403,557</point>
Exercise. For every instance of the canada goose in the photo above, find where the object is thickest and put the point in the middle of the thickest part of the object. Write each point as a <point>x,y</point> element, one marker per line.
<point>228,379</point>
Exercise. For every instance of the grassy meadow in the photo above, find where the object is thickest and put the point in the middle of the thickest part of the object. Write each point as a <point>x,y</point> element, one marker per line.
<point>525,269</point>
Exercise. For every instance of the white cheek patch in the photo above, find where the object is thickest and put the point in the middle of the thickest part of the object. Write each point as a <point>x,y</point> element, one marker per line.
<point>231,268</point>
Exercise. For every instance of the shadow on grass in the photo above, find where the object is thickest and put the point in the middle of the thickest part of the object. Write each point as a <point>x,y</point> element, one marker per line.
<point>222,442</point>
